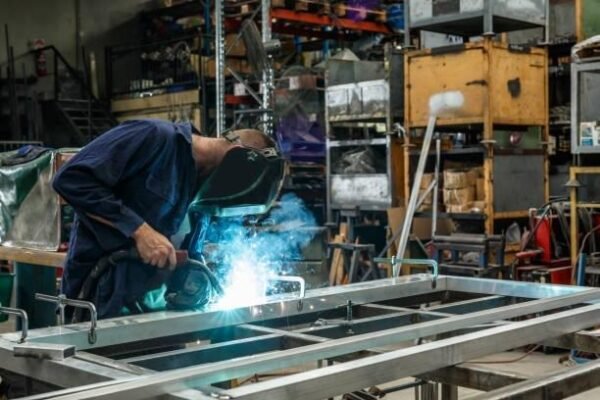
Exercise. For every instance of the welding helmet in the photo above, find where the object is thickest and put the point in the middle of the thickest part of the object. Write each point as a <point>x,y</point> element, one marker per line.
<point>246,182</point>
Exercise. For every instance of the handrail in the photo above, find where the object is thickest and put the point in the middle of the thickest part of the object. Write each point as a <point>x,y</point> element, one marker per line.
<point>74,72</point>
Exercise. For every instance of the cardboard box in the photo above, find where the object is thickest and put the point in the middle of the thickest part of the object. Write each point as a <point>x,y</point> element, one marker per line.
<point>428,198</point>
<point>478,206</point>
<point>455,179</point>
<point>425,207</point>
<point>473,174</point>
<point>480,189</point>
<point>426,181</point>
<point>421,226</point>
<point>239,66</point>
<point>235,46</point>
<point>462,196</point>
<point>458,208</point>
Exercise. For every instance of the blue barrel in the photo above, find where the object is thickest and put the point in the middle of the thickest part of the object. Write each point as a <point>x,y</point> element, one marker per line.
<point>395,16</point>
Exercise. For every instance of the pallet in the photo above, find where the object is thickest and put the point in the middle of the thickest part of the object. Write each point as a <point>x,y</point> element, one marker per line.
<point>343,10</point>
<point>322,7</point>
<point>239,9</point>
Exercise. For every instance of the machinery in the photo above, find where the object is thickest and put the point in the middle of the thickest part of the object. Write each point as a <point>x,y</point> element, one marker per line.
<point>327,342</point>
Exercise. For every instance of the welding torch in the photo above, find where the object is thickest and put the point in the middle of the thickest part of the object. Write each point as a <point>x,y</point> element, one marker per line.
<point>180,297</point>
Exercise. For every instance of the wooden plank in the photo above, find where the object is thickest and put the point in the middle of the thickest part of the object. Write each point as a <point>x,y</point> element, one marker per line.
<point>334,261</point>
<point>579,20</point>
<point>35,257</point>
<point>339,265</point>
<point>166,115</point>
<point>160,101</point>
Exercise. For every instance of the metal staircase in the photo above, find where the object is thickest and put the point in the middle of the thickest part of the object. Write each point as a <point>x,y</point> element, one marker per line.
<point>87,118</point>
<point>69,112</point>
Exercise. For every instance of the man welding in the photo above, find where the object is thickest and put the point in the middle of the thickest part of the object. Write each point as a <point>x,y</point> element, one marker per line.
<point>131,188</point>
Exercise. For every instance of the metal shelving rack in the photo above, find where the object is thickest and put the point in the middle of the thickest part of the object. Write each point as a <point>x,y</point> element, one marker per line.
<point>365,97</point>
<point>585,86</point>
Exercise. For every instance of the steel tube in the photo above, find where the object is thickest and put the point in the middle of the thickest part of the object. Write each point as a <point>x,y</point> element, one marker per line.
<point>149,326</point>
<point>499,339</point>
<point>386,367</point>
<point>24,320</point>
<point>557,385</point>
<point>414,194</point>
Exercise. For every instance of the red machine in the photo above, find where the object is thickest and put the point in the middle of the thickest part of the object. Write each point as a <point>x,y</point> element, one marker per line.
<point>545,250</point>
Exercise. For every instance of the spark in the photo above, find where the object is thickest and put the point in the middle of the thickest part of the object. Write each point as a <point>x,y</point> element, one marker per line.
<point>246,285</point>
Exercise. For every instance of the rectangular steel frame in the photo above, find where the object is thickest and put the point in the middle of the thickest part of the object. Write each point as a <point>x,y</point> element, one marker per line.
<point>350,326</point>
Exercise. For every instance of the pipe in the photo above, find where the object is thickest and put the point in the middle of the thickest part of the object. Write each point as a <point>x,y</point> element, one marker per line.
<point>61,301</point>
<point>19,314</point>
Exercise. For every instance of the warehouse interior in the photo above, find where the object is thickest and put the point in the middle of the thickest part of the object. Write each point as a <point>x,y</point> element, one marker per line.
<point>313,199</point>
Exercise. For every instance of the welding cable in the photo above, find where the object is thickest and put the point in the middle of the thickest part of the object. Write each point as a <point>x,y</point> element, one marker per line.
<point>91,282</point>
<point>510,361</point>
<point>547,207</point>
<point>581,247</point>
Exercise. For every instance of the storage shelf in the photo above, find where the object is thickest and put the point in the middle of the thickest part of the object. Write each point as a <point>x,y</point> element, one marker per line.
<point>359,142</point>
<point>283,14</point>
<point>358,118</point>
<point>464,216</point>
<point>466,150</point>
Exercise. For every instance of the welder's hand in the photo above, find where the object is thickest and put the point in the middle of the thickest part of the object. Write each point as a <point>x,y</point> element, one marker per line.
<point>154,248</point>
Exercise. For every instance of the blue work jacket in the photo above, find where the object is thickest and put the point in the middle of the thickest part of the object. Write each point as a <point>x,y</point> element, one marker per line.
<point>140,171</point>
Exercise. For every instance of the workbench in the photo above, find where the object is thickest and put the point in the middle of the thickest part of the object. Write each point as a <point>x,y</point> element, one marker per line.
<point>33,275</point>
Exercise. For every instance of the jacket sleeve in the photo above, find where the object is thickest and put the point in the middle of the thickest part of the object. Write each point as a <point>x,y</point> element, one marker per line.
<point>88,180</point>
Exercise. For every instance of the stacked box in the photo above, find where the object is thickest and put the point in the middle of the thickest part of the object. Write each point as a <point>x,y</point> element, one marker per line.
<point>425,182</point>
<point>464,189</point>
<point>459,189</point>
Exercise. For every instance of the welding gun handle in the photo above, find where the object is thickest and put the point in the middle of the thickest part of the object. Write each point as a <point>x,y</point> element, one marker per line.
<point>181,256</point>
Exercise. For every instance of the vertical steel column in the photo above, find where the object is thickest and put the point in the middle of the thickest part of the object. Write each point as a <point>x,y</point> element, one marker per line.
<point>438,161</point>
<point>267,78</point>
<point>220,67</point>
<point>488,18</point>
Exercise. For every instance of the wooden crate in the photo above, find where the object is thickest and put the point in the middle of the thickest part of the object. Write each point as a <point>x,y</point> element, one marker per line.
<point>502,87</point>
<point>510,83</point>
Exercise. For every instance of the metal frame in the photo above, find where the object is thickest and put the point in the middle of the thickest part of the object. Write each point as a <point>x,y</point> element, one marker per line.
<point>265,101</point>
<point>342,330</point>
<point>393,114</point>
<point>486,14</point>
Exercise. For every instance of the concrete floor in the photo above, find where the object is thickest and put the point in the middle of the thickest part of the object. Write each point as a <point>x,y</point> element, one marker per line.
<point>536,364</point>
<point>533,365</point>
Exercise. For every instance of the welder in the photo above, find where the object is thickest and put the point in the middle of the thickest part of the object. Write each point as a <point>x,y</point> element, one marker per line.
<point>131,188</point>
